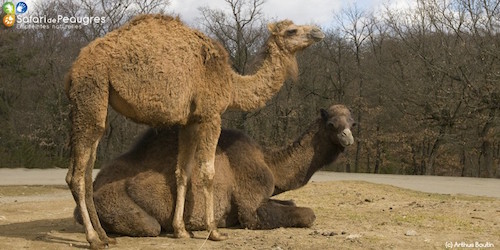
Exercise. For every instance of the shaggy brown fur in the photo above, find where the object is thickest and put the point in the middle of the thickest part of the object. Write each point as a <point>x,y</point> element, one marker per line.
<point>157,71</point>
<point>135,194</point>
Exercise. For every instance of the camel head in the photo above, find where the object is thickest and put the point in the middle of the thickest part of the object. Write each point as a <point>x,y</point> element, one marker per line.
<point>338,123</point>
<point>293,38</point>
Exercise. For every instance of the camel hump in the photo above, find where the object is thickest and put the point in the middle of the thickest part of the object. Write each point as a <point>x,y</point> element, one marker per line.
<point>213,53</point>
<point>152,18</point>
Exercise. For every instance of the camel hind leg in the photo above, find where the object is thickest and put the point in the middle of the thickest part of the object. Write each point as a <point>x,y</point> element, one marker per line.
<point>89,110</point>
<point>185,162</point>
<point>120,213</point>
<point>76,179</point>
<point>76,182</point>
<point>89,199</point>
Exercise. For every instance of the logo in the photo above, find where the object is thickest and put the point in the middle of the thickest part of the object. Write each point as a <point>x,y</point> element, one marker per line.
<point>14,15</point>
<point>21,8</point>
<point>11,10</point>
<point>8,8</point>
<point>9,20</point>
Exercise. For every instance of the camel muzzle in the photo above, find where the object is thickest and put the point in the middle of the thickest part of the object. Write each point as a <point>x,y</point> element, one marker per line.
<point>316,34</point>
<point>346,138</point>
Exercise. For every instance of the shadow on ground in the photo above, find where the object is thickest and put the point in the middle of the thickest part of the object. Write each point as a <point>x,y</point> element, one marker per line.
<point>52,231</point>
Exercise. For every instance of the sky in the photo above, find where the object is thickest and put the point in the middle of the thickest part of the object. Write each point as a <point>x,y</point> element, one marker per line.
<point>318,12</point>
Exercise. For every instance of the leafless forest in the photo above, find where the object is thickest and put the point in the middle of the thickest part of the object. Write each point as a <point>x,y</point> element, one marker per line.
<point>423,83</point>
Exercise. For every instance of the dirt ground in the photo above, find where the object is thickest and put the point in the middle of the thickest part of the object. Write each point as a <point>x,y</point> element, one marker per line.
<point>350,215</point>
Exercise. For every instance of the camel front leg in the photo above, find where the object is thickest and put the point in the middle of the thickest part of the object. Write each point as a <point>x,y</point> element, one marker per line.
<point>275,213</point>
<point>284,202</point>
<point>185,161</point>
<point>209,133</point>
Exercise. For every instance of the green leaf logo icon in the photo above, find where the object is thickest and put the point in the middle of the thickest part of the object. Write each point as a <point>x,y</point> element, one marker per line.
<point>8,8</point>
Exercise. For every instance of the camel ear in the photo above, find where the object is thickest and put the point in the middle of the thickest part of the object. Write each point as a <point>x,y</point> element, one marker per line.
<point>324,115</point>
<point>271,27</point>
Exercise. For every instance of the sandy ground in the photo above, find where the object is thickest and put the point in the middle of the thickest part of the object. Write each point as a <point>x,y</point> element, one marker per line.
<point>351,214</point>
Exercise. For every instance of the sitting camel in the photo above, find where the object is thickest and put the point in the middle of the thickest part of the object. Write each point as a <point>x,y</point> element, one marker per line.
<point>135,194</point>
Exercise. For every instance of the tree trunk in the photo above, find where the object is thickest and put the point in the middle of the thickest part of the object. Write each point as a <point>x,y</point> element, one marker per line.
<point>486,159</point>
<point>378,156</point>
<point>414,160</point>
<point>463,162</point>
<point>358,155</point>
<point>368,154</point>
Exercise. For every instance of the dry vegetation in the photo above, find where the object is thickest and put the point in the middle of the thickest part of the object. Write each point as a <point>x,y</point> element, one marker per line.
<point>350,215</point>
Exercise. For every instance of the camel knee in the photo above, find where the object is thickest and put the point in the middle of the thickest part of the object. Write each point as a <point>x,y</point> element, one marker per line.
<point>207,172</point>
<point>273,215</point>
<point>69,176</point>
<point>75,181</point>
<point>74,178</point>
<point>80,159</point>
<point>306,217</point>
<point>181,176</point>
<point>135,224</point>
<point>150,228</point>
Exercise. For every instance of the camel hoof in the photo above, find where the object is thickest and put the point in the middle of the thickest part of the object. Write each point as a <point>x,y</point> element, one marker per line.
<point>217,236</point>
<point>183,234</point>
<point>109,241</point>
<point>97,245</point>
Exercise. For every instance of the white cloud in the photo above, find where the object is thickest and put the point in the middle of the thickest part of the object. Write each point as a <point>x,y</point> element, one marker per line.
<point>299,11</point>
<point>302,12</point>
<point>188,9</point>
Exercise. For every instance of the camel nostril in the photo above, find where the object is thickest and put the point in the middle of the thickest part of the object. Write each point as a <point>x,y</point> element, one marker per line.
<point>346,137</point>
<point>346,132</point>
<point>316,34</point>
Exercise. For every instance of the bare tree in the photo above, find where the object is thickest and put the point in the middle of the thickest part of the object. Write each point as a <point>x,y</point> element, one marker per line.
<point>33,106</point>
<point>115,12</point>
<point>354,26</point>
<point>241,29</point>
<point>423,82</point>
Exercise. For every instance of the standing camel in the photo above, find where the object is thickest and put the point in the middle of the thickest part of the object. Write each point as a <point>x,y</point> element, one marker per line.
<point>156,71</point>
<point>135,195</point>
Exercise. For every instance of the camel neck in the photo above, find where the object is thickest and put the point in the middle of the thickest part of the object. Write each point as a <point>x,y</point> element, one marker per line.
<point>294,165</point>
<point>253,91</point>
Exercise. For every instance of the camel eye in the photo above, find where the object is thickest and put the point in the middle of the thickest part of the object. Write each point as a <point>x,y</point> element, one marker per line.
<point>291,32</point>
<point>353,122</point>
<point>331,126</point>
